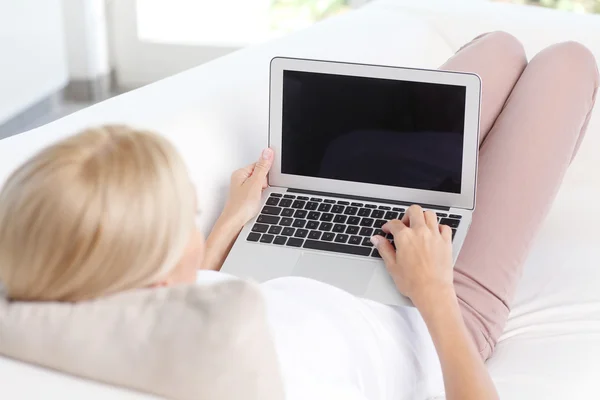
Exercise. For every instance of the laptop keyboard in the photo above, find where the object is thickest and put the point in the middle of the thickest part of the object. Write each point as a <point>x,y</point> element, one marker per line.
<point>319,223</point>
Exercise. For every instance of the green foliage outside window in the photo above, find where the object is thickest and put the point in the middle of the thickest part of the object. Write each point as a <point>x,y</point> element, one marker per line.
<point>582,6</point>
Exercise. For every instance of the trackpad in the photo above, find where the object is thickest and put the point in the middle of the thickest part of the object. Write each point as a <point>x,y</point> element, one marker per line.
<point>349,274</point>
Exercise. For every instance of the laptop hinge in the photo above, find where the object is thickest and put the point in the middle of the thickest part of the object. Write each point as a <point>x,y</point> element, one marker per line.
<point>375,200</point>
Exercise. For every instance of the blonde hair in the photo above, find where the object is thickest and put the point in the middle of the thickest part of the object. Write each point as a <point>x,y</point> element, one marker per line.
<point>109,209</point>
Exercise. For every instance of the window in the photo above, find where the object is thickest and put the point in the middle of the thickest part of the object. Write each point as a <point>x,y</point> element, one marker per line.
<point>581,6</point>
<point>229,23</point>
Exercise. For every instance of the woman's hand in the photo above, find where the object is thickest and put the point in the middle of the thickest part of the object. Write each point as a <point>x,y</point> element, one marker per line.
<point>422,270</point>
<point>246,189</point>
<point>422,266</point>
<point>242,205</point>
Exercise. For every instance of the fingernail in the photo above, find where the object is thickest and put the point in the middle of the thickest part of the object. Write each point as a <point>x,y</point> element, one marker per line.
<point>267,154</point>
<point>374,240</point>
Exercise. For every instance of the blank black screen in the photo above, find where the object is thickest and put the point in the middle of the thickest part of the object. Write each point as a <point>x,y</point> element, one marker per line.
<point>388,132</point>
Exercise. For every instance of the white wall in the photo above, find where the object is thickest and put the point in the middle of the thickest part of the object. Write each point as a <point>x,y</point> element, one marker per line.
<point>32,54</point>
<point>86,38</point>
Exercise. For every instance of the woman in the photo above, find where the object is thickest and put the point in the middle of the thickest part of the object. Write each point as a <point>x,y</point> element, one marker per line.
<point>86,218</point>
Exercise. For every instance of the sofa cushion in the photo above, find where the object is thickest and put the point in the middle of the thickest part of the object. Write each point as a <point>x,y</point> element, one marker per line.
<point>185,342</point>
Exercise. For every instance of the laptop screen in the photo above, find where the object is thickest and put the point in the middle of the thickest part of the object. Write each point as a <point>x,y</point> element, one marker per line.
<point>371,130</point>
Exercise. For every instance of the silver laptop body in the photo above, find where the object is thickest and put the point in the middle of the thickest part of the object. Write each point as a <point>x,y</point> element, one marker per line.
<point>355,145</point>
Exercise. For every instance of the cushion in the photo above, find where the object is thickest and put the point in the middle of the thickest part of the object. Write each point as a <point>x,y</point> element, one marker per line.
<point>185,342</point>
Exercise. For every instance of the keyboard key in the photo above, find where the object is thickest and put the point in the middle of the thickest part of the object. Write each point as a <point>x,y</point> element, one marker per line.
<point>295,242</point>
<point>298,204</point>
<point>398,209</point>
<point>253,237</point>
<point>266,238</point>
<point>352,229</point>
<point>302,198</point>
<point>316,235</point>
<point>280,240</point>
<point>275,194</point>
<point>330,201</point>
<point>271,210</point>
<point>260,228</point>
<point>275,230</point>
<point>364,212</point>
<point>316,199</point>
<point>324,207</point>
<point>267,219</point>
<point>311,205</point>
<point>375,254</point>
<point>366,232</point>
<point>300,214</point>
<point>353,221</point>
<point>370,206</point>
<point>452,223</point>
<point>286,221</point>
<point>325,226</point>
<point>326,217</point>
<point>391,215</point>
<point>301,233</point>
<point>339,228</point>
<point>357,204</point>
<point>384,208</point>
<point>287,212</point>
<point>312,225</point>
<point>379,232</point>
<point>289,196</point>
<point>379,223</point>
<point>367,242</point>
<point>328,236</point>
<point>343,202</point>
<point>288,231</point>
<point>340,219</point>
<point>337,209</point>
<point>351,210</point>
<point>336,247</point>
<point>357,240</point>
<point>272,201</point>
<point>455,216</point>
<point>341,238</point>
<point>441,214</point>
<point>377,214</point>
<point>285,203</point>
<point>314,215</point>
<point>453,233</point>
<point>299,223</point>
<point>367,222</point>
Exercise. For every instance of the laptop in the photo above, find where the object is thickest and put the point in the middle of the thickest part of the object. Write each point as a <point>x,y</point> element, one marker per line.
<point>355,145</point>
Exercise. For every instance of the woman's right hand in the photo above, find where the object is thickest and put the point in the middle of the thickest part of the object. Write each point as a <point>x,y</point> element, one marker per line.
<point>422,266</point>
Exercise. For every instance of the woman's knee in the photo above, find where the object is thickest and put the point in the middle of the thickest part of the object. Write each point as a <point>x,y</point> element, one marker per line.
<point>505,44</point>
<point>569,60</point>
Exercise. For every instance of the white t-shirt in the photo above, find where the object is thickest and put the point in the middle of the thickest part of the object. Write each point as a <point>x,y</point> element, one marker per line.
<point>333,345</point>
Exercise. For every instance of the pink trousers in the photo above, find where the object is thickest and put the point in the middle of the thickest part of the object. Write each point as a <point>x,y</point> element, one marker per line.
<point>533,118</point>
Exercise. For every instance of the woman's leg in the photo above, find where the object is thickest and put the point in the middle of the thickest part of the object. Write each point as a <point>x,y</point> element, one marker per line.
<point>499,59</point>
<point>521,166</point>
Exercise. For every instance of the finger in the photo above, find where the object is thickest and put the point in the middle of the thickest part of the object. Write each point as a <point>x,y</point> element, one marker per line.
<point>239,176</point>
<point>394,226</point>
<point>431,220</point>
<point>415,217</point>
<point>386,250</point>
<point>262,166</point>
<point>446,232</point>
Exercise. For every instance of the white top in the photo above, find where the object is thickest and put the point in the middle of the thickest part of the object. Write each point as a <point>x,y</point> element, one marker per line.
<point>333,345</point>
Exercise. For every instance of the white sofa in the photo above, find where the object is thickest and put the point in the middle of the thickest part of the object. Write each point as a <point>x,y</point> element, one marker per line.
<point>217,115</point>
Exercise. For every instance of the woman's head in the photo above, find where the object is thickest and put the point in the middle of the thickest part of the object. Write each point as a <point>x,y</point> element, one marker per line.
<point>106,210</point>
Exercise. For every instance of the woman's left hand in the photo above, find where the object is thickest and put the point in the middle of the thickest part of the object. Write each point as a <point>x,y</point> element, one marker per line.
<point>246,189</point>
